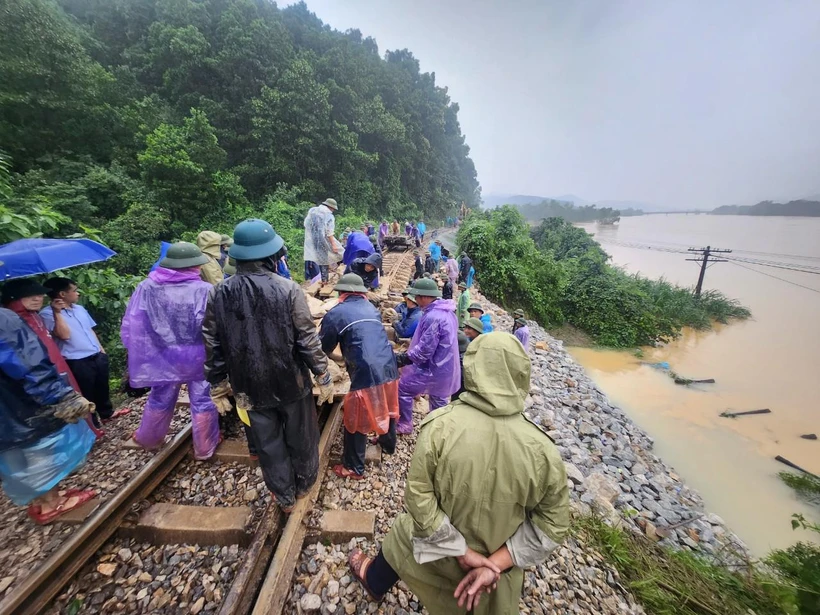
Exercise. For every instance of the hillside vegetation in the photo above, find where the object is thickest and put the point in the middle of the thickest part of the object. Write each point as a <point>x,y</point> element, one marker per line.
<point>136,121</point>
<point>770,208</point>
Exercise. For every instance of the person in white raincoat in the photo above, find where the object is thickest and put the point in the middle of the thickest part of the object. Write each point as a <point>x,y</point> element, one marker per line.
<point>321,246</point>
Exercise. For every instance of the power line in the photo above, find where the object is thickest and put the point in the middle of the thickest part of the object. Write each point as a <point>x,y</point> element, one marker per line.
<point>768,275</point>
<point>662,246</point>
<point>785,266</point>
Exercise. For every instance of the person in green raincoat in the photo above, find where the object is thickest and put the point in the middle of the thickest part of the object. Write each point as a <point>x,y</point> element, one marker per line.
<point>463,305</point>
<point>486,495</point>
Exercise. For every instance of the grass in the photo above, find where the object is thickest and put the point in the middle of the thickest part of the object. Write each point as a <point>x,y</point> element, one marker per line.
<point>669,582</point>
<point>808,487</point>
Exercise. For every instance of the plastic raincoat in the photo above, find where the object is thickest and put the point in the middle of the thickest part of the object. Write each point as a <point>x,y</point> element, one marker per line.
<point>162,331</point>
<point>434,353</point>
<point>435,254</point>
<point>481,476</point>
<point>373,400</point>
<point>451,267</point>
<point>358,246</point>
<point>465,262</point>
<point>463,304</point>
<point>319,225</point>
<point>384,230</point>
<point>523,336</point>
<point>406,327</point>
<point>370,278</point>
<point>209,243</point>
<point>37,449</point>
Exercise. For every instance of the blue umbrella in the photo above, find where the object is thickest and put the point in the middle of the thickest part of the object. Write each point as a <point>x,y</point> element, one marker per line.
<point>26,257</point>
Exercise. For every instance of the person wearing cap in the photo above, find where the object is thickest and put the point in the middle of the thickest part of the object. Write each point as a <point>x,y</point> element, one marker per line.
<point>367,269</point>
<point>209,243</point>
<point>406,325</point>
<point>162,332</point>
<point>522,333</point>
<point>476,311</point>
<point>72,328</point>
<point>320,243</point>
<point>435,254</point>
<point>463,304</point>
<point>418,265</point>
<point>431,361</point>
<point>42,436</point>
<point>372,405</point>
<point>261,341</point>
<point>486,495</point>
<point>224,245</point>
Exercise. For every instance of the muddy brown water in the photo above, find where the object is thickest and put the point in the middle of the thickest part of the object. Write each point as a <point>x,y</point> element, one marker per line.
<point>770,361</point>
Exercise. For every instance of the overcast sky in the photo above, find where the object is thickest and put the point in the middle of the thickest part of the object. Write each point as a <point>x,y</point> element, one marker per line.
<point>679,103</point>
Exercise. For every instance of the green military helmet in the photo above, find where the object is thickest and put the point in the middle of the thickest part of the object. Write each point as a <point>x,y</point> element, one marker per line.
<point>182,255</point>
<point>425,287</point>
<point>475,324</point>
<point>475,306</point>
<point>331,204</point>
<point>226,240</point>
<point>521,322</point>
<point>254,240</point>
<point>519,313</point>
<point>350,283</point>
<point>230,267</point>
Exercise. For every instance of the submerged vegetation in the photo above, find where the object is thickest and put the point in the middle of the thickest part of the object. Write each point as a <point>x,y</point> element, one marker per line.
<point>808,487</point>
<point>560,274</point>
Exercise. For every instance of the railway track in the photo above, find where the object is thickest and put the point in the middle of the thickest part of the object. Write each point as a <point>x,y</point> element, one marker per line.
<point>262,581</point>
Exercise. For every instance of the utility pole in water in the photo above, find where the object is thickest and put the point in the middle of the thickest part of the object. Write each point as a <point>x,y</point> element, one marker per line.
<point>703,260</point>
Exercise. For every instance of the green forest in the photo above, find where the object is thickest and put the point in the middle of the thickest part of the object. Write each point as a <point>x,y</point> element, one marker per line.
<point>560,275</point>
<point>136,121</point>
<point>550,208</point>
<point>770,208</point>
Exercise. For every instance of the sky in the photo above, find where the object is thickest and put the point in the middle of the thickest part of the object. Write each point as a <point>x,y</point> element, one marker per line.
<point>677,104</point>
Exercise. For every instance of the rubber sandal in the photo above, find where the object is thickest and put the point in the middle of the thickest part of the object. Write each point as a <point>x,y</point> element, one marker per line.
<point>343,472</point>
<point>119,413</point>
<point>359,563</point>
<point>35,512</point>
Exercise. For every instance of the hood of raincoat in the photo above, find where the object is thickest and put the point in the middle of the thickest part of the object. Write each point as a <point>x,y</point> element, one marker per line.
<point>358,246</point>
<point>496,375</point>
<point>162,328</point>
<point>209,243</point>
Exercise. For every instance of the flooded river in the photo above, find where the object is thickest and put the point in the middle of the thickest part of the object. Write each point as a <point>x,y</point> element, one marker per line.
<point>770,361</point>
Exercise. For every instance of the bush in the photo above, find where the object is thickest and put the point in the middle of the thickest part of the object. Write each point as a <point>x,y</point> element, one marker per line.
<point>800,565</point>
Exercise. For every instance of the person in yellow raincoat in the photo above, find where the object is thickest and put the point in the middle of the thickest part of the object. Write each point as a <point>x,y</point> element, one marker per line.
<point>486,495</point>
<point>210,244</point>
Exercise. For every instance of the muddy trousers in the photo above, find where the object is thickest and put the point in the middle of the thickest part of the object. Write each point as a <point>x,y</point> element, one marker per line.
<point>286,439</point>
<point>380,575</point>
<point>355,447</point>
<point>159,410</point>
<point>407,392</point>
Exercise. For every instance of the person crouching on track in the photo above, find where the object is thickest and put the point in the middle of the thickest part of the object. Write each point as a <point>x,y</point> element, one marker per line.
<point>486,495</point>
<point>372,405</point>
<point>162,331</point>
<point>432,358</point>
<point>260,337</point>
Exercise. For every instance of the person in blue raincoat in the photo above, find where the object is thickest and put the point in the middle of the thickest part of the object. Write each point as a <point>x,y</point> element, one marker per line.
<point>42,439</point>
<point>435,254</point>
<point>358,246</point>
<point>476,311</point>
<point>405,326</point>
<point>372,405</point>
<point>367,269</point>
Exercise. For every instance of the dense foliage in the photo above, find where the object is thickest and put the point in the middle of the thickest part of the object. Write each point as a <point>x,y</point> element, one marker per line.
<point>137,121</point>
<point>558,274</point>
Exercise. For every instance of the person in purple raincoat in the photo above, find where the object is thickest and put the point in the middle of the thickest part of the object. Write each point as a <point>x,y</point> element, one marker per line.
<point>522,333</point>
<point>432,365</point>
<point>384,230</point>
<point>162,332</point>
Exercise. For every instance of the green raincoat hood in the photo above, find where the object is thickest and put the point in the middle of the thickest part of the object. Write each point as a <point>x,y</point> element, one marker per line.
<point>496,375</point>
<point>209,243</point>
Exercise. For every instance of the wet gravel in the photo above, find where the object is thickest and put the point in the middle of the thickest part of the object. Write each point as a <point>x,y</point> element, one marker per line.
<point>108,467</point>
<point>131,577</point>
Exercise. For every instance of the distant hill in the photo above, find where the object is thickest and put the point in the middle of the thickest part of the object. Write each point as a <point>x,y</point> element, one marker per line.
<point>492,201</point>
<point>496,200</point>
<point>770,208</point>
